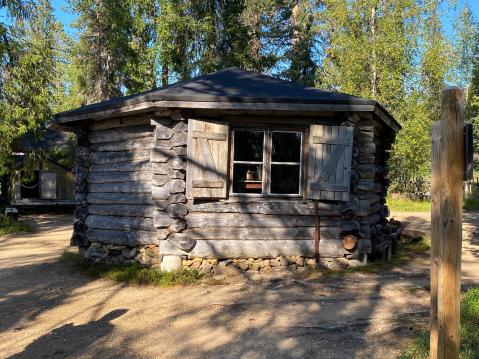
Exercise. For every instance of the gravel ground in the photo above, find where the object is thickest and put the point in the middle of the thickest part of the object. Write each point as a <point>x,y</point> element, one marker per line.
<point>48,311</point>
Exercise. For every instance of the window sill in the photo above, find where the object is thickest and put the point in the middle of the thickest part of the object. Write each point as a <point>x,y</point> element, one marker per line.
<point>252,197</point>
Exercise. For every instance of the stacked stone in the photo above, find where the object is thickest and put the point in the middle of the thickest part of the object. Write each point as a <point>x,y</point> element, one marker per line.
<point>146,256</point>
<point>82,155</point>
<point>265,265</point>
<point>168,161</point>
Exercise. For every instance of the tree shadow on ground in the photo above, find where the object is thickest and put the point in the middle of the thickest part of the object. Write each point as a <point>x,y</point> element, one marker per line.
<point>70,340</point>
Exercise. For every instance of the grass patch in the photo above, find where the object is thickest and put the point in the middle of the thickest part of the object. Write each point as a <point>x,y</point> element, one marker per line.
<point>404,253</point>
<point>419,348</point>
<point>132,273</point>
<point>9,225</point>
<point>471,204</point>
<point>402,204</point>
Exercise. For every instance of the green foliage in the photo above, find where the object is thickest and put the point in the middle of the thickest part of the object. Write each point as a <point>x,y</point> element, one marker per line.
<point>9,225</point>
<point>133,273</point>
<point>64,154</point>
<point>113,53</point>
<point>419,348</point>
<point>29,81</point>
<point>471,204</point>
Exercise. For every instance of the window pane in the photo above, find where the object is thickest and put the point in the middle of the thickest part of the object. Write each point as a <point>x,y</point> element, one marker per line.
<point>286,146</point>
<point>248,146</point>
<point>285,179</point>
<point>247,178</point>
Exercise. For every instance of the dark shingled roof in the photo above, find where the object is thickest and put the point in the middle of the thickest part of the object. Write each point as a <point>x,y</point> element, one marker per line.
<point>230,85</point>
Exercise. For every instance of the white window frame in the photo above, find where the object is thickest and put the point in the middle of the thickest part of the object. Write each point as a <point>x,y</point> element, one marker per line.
<point>267,162</point>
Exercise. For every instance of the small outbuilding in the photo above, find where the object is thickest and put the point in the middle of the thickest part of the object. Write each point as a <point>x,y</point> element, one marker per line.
<point>46,183</point>
<point>232,167</point>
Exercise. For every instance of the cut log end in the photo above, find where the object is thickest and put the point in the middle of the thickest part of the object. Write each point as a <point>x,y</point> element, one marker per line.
<point>350,242</point>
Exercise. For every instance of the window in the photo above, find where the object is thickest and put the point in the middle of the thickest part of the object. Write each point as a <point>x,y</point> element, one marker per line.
<point>267,162</point>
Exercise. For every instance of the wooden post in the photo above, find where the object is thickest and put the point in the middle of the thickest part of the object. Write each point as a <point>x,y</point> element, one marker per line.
<point>446,225</point>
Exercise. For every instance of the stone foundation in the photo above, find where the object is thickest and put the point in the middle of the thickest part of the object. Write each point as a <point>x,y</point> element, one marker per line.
<point>146,256</point>
<point>263,265</point>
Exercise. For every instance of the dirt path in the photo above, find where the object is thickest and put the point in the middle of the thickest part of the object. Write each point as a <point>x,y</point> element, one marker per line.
<point>48,312</point>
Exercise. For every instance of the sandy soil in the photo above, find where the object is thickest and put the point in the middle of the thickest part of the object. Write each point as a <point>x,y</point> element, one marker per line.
<point>47,311</point>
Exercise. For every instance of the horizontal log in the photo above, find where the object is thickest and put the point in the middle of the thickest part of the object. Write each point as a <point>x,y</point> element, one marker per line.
<point>125,145</point>
<point>365,136</point>
<point>117,222</point>
<point>99,158</point>
<point>122,210</point>
<point>120,187</point>
<point>270,233</point>
<point>176,139</point>
<point>127,166</point>
<point>268,207</point>
<point>124,238</point>
<point>367,148</point>
<point>198,220</point>
<point>119,122</point>
<point>255,249</point>
<point>182,241</point>
<point>111,177</point>
<point>119,198</point>
<point>119,134</point>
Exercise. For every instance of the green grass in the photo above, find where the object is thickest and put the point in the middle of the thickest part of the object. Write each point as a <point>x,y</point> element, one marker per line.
<point>419,348</point>
<point>132,273</point>
<point>471,204</point>
<point>404,253</point>
<point>402,204</point>
<point>9,225</point>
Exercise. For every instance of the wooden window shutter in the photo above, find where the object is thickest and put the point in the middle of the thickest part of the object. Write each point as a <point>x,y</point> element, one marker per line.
<point>207,166</point>
<point>329,164</point>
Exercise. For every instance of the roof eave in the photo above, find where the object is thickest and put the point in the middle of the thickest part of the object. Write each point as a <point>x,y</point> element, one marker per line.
<point>72,118</point>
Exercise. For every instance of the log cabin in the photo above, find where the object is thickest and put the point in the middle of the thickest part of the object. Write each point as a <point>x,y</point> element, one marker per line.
<point>232,168</point>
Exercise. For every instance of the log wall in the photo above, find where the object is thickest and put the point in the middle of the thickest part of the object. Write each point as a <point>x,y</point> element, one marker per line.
<point>118,183</point>
<point>131,188</point>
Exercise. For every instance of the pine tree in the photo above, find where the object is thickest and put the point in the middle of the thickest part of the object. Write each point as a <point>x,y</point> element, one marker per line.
<point>30,81</point>
<point>302,35</point>
<point>114,53</point>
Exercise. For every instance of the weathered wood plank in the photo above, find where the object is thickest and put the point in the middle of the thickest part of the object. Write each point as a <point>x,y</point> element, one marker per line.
<point>255,249</point>
<point>119,198</point>
<point>125,145</point>
<point>117,222</point>
<point>124,238</point>
<point>120,187</point>
<point>198,220</point>
<point>270,233</point>
<point>98,158</point>
<point>119,134</point>
<point>329,164</point>
<point>216,136</point>
<point>112,177</point>
<point>127,166</point>
<point>207,154</point>
<point>289,207</point>
<point>122,210</point>
<point>119,122</point>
